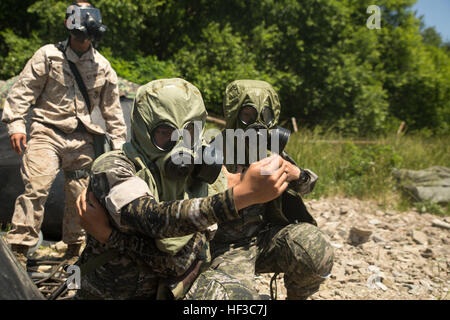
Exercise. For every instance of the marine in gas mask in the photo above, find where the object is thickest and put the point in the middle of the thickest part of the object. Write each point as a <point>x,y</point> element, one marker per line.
<point>153,219</point>
<point>279,236</point>
<point>252,110</point>
<point>84,22</point>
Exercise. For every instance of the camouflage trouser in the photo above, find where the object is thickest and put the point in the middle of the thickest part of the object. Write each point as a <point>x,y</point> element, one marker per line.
<point>298,250</point>
<point>217,285</point>
<point>47,152</point>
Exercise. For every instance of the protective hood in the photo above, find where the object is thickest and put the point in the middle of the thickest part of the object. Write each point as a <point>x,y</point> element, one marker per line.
<point>249,92</point>
<point>173,101</point>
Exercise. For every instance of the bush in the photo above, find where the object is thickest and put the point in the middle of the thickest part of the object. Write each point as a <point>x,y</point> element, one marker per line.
<point>20,50</point>
<point>141,69</point>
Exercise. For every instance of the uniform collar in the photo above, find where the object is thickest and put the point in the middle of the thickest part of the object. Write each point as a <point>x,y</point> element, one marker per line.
<point>72,56</point>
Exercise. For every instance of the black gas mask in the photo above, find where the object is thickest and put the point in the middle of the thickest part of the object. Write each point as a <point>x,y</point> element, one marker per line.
<point>85,23</point>
<point>185,153</point>
<point>277,138</point>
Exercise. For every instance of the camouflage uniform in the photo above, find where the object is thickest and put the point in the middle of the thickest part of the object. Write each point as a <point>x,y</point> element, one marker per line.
<point>140,268</point>
<point>61,132</point>
<point>275,237</point>
<point>150,213</point>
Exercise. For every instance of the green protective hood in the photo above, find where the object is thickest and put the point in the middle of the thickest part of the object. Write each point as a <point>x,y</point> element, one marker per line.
<point>173,101</point>
<point>255,92</point>
<point>177,102</point>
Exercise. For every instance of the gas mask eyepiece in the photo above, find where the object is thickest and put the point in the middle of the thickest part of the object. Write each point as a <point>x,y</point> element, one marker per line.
<point>85,23</point>
<point>248,115</point>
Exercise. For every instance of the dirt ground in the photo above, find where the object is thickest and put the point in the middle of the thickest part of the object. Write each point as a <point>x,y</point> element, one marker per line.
<point>379,254</point>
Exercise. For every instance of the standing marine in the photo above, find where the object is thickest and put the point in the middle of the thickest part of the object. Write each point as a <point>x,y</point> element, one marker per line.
<point>62,132</point>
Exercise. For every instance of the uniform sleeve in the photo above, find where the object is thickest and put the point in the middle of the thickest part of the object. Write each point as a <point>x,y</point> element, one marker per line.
<point>132,207</point>
<point>25,92</point>
<point>307,180</point>
<point>178,218</point>
<point>112,111</point>
<point>145,248</point>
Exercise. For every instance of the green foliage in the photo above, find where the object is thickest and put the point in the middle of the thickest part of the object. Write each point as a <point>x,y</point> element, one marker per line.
<point>430,207</point>
<point>141,69</point>
<point>219,58</point>
<point>327,66</point>
<point>432,37</point>
<point>366,167</point>
<point>348,169</point>
<point>21,49</point>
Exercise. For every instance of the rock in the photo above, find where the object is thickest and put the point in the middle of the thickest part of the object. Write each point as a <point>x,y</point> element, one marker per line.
<point>374,221</point>
<point>427,253</point>
<point>336,245</point>
<point>440,224</point>
<point>388,282</point>
<point>379,213</point>
<point>376,238</point>
<point>339,275</point>
<point>419,237</point>
<point>358,236</point>
<point>343,210</point>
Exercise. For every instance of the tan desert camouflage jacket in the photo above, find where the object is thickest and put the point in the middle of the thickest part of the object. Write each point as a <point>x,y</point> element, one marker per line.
<point>48,83</point>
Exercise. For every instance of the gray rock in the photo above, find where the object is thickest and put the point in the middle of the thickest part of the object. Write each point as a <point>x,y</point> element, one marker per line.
<point>358,236</point>
<point>419,237</point>
<point>440,224</point>
<point>376,238</point>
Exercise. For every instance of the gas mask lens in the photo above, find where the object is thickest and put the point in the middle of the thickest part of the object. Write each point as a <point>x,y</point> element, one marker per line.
<point>165,136</point>
<point>162,137</point>
<point>90,14</point>
<point>267,115</point>
<point>189,137</point>
<point>248,114</point>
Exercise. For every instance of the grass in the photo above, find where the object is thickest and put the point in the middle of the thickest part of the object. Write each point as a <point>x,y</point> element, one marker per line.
<point>364,171</point>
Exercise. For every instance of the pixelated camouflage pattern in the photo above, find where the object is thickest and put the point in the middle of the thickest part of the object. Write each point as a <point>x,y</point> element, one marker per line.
<point>127,89</point>
<point>217,285</point>
<point>254,244</point>
<point>5,87</point>
<point>301,252</point>
<point>140,267</point>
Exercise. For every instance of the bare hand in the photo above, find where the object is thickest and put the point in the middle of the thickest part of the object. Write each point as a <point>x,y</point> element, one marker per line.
<point>17,140</point>
<point>233,179</point>
<point>93,217</point>
<point>293,172</point>
<point>258,186</point>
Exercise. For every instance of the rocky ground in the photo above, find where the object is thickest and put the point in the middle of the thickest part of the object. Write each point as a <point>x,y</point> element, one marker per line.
<point>380,254</point>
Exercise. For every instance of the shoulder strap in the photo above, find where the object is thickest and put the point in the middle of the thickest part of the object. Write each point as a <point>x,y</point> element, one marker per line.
<point>98,261</point>
<point>76,74</point>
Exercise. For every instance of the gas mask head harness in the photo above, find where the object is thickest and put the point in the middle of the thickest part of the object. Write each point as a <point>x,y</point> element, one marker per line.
<point>85,23</point>
<point>168,126</point>
<point>254,105</point>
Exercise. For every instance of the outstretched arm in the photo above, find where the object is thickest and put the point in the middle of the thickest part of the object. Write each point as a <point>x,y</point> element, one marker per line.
<point>132,207</point>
